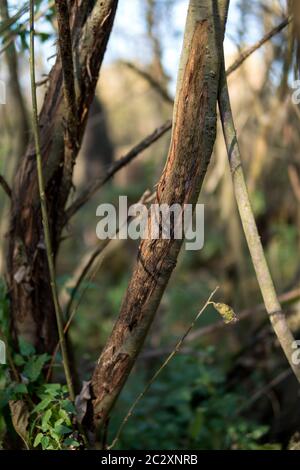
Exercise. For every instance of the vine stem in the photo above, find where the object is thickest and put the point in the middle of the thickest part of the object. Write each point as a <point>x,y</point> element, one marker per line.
<point>263,275</point>
<point>45,219</point>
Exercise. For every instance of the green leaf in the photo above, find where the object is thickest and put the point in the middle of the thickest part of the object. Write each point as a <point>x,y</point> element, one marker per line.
<point>34,367</point>
<point>19,360</point>
<point>68,406</point>
<point>46,419</point>
<point>52,390</point>
<point>45,442</point>
<point>61,429</point>
<point>38,439</point>
<point>65,417</point>
<point>26,349</point>
<point>42,405</point>
<point>69,442</point>
<point>20,389</point>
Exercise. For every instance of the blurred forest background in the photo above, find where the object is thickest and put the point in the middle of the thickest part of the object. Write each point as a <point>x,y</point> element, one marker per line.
<point>230,386</point>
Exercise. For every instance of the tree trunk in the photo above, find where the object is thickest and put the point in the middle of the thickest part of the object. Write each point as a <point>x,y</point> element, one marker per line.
<point>32,312</point>
<point>193,137</point>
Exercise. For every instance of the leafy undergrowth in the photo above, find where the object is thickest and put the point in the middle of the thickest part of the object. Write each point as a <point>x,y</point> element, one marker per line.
<point>187,408</point>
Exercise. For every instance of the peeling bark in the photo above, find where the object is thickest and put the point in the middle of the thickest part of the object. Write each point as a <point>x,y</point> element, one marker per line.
<point>193,137</point>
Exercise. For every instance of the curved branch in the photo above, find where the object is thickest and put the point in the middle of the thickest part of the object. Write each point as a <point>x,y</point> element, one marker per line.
<point>85,196</point>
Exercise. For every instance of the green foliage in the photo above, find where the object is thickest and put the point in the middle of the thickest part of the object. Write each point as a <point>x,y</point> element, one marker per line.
<point>188,407</point>
<point>40,413</point>
<point>52,419</point>
<point>51,415</point>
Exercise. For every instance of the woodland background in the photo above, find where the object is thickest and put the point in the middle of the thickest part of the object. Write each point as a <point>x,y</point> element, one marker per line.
<point>230,386</point>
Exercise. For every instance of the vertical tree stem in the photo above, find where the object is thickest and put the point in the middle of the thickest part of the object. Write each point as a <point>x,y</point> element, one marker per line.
<point>48,244</point>
<point>193,137</point>
<point>273,307</point>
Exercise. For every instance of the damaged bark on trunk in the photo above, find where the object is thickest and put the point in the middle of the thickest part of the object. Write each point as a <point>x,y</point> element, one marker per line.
<point>193,137</point>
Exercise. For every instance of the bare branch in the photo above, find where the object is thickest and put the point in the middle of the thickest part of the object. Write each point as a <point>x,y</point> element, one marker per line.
<point>244,55</point>
<point>5,186</point>
<point>156,85</point>
<point>286,298</point>
<point>115,167</point>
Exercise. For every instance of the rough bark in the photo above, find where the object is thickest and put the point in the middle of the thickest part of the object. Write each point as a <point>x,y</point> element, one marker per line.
<point>193,137</point>
<point>32,312</point>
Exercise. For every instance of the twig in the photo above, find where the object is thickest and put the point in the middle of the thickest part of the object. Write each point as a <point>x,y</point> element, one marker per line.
<point>23,27</point>
<point>239,61</point>
<point>147,197</point>
<point>115,167</point>
<point>158,372</point>
<point>244,55</point>
<point>273,307</point>
<point>151,80</point>
<point>5,186</point>
<point>9,22</point>
<point>48,244</point>
<point>285,298</point>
